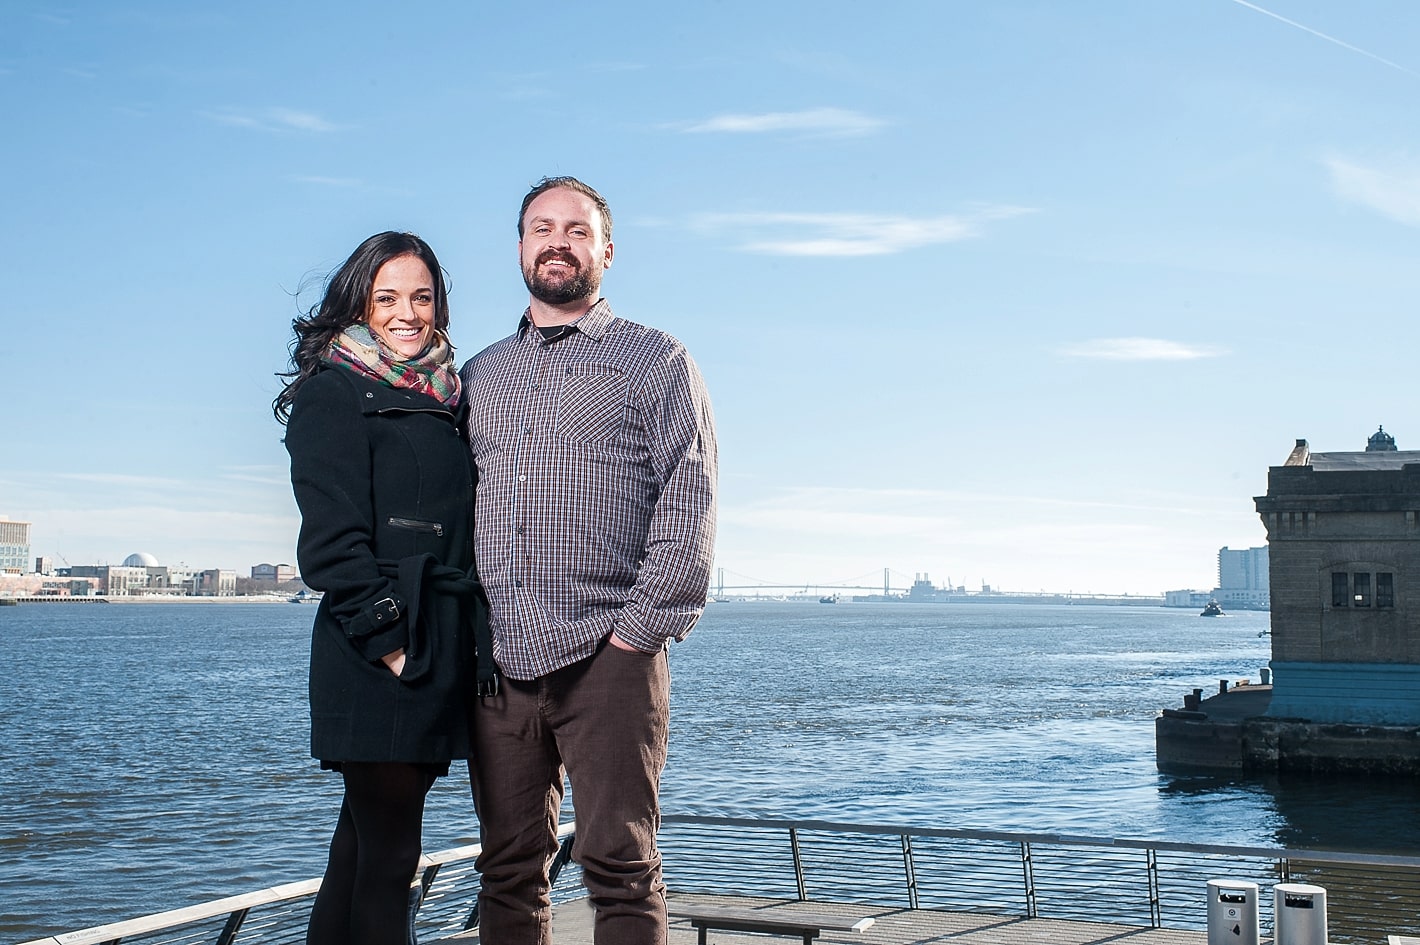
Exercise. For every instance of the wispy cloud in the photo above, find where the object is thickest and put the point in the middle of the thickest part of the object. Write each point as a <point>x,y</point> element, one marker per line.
<point>346,182</point>
<point>1395,194</point>
<point>1140,349</point>
<point>1330,39</point>
<point>263,475</point>
<point>272,119</point>
<point>612,68</point>
<point>122,479</point>
<point>849,234</point>
<point>836,122</point>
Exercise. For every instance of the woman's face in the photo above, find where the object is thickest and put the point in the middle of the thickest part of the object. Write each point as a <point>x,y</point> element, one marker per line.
<point>401,309</point>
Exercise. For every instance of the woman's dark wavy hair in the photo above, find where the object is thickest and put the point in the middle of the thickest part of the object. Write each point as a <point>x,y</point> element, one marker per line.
<point>346,300</point>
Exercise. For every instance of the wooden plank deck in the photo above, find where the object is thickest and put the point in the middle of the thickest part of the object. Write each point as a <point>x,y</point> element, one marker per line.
<point>572,925</point>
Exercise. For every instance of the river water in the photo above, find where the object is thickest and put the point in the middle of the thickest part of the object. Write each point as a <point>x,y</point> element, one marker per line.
<point>155,755</point>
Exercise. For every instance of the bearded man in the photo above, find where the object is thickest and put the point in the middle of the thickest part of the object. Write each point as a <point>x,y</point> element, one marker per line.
<point>596,456</point>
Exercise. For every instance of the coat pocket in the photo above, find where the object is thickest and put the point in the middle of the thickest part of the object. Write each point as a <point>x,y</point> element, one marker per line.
<point>415,525</point>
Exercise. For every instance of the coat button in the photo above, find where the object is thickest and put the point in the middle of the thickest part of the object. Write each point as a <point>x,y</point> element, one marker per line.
<point>369,395</point>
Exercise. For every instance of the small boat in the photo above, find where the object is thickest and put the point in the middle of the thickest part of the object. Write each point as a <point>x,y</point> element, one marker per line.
<point>1213,610</point>
<point>304,597</point>
<point>831,599</point>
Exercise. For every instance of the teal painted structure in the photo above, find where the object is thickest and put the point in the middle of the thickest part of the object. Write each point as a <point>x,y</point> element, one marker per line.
<point>1346,693</point>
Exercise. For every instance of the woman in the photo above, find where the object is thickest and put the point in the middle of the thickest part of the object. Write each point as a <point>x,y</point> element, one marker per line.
<point>384,482</point>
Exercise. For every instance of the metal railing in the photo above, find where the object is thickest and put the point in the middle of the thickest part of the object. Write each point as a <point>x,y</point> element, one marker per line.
<point>1154,884</point>
<point>1157,884</point>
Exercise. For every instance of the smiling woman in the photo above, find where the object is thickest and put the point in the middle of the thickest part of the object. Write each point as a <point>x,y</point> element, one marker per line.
<point>384,482</point>
<point>401,310</point>
<point>382,306</point>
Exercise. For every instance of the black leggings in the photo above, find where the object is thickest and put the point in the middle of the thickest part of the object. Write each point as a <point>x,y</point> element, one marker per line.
<point>364,897</point>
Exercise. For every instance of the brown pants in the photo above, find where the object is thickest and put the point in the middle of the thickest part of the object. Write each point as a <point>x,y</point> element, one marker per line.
<point>605,720</point>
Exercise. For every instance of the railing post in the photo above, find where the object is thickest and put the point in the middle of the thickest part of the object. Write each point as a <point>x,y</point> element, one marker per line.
<point>798,864</point>
<point>1028,876</point>
<point>563,857</point>
<point>911,869</point>
<point>234,922</point>
<point>416,899</point>
<point>1155,908</point>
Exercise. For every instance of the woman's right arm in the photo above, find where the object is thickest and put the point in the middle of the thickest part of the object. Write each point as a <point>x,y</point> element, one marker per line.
<point>331,478</point>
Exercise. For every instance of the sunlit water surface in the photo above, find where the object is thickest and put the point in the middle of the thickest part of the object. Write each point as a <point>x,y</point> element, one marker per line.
<point>155,756</point>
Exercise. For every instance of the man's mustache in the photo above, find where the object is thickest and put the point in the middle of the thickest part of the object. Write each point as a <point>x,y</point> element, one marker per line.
<point>549,255</point>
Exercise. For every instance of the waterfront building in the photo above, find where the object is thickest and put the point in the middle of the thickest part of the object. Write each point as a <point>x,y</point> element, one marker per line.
<point>125,580</point>
<point>1342,690</point>
<point>44,564</point>
<point>273,573</point>
<point>14,546</point>
<point>1187,598</point>
<point>215,582</point>
<point>1344,529</point>
<point>1243,579</point>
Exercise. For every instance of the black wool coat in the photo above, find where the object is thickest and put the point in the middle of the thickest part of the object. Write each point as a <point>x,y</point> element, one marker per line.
<point>384,481</point>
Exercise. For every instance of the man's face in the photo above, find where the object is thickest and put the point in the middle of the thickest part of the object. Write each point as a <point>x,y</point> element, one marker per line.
<point>563,251</point>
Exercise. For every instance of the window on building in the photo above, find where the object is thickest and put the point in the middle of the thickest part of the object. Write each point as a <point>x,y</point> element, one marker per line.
<point>1340,589</point>
<point>1361,589</point>
<point>1385,589</point>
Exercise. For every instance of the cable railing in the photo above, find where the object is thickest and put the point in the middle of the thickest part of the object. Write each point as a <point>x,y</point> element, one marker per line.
<point>1156,884</point>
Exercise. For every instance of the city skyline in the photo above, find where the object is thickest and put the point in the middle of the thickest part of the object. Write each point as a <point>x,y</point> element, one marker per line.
<point>723,578</point>
<point>1020,294</point>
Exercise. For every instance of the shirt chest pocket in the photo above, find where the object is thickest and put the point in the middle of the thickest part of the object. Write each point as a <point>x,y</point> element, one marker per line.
<point>592,405</point>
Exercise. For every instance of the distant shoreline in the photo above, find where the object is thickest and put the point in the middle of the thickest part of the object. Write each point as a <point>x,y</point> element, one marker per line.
<point>157,599</point>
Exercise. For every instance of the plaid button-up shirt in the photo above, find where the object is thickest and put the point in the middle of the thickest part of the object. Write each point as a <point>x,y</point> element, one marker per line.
<point>596,489</point>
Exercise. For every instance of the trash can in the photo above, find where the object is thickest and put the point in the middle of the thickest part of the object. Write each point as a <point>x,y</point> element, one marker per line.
<point>1299,916</point>
<point>1232,912</point>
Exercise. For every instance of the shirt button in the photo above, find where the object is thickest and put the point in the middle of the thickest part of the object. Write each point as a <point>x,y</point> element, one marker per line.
<point>522,479</point>
<point>517,583</point>
<point>534,385</point>
<point>527,429</point>
<point>522,530</point>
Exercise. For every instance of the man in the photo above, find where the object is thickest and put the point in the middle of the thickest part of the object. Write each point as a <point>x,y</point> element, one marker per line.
<point>595,524</point>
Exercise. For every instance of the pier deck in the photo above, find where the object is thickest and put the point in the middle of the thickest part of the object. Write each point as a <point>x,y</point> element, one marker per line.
<point>572,925</point>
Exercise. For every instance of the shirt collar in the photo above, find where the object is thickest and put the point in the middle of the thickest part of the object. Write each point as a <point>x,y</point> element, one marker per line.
<point>594,323</point>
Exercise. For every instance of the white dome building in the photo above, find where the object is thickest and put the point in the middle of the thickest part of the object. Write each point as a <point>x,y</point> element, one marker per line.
<point>140,559</point>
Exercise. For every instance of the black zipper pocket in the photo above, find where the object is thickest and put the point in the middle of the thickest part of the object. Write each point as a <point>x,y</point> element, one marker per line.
<point>413,524</point>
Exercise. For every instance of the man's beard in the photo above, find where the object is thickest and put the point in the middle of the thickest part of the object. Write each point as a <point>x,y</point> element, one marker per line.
<point>561,288</point>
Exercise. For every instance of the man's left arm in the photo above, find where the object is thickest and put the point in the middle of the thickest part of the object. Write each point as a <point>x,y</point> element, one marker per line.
<point>674,577</point>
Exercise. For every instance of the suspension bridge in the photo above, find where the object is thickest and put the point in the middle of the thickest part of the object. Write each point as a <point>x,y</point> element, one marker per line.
<point>897,586</point>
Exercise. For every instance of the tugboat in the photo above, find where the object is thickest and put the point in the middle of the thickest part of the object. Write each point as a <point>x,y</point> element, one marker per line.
<point>1212,610</point>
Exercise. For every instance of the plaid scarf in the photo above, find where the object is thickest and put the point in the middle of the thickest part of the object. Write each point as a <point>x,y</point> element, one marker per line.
<point>360,350</point>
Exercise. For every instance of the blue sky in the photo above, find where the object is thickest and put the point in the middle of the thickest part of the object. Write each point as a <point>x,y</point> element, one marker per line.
<point>1023,293</point>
